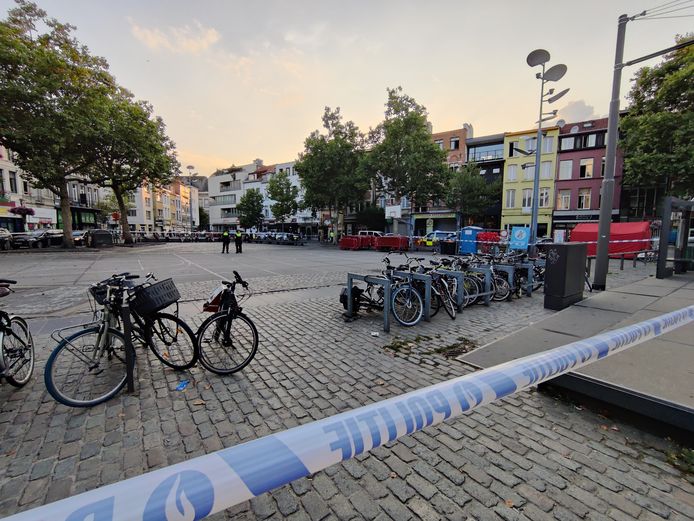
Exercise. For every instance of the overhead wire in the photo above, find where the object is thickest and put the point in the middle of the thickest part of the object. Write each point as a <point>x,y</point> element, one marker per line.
<point>680,7</point>
<point>666,6</point>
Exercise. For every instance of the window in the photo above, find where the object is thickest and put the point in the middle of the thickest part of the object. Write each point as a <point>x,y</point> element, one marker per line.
<point>565,168</point>
<point>148,201</point>
<point>530,144</point>
<point>563,199</point>
<point>510,198</point>
<point>160,213</point>
<point>546,170</point>
<point>590,140</point>
<point>586,168</point>
<point>527,199</point>
<point>602,168</point>
<point>132,212</point>
<point>529,172</point>
<point>584,199</point>
<point>512,172</point>
<point>547,144</point>
<point>220,199</point>
<point>455,143</point>
<point>25,187</point>
<point>567,143</point>
<point>2,180</point>
<point>512,152</point>
<point>149,215</point>
<point>404,202</point>
<point>439,143</point>
<point>382,202</point>
<point>543,202</point>
<point>13,182</point>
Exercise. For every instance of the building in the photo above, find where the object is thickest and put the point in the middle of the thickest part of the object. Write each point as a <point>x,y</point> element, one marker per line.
<point>519,170</point>
<point>487,152</point>
<point>581,158</point>
<point>225,191</point>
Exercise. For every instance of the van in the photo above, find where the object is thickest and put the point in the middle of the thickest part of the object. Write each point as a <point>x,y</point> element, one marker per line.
<point>370,233</point>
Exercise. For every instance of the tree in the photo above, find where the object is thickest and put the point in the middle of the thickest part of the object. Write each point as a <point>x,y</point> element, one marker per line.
<point>204,220</point>
<point>658,129</point>
<point>250,208</point>
<point>469,193</point>
<point>107,207</point>
<point>403,156</point>
<point>134,149</point>
<point>373,217</point>
<point>53,93</point>
<point>285,195</point>
<point>329,166</point>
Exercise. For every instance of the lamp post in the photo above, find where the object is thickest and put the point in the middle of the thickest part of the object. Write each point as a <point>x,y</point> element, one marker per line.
<point>555,73</point>
<point>190,169</point>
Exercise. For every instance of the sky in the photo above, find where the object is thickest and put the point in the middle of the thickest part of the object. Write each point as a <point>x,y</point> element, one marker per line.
<point>239,80</point>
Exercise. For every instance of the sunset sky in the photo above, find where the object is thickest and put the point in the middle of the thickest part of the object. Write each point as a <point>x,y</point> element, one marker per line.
<point>239,80</point>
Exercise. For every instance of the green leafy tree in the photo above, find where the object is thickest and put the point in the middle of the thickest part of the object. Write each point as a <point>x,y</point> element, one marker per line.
<point>658,129</point>
<point>53,96</point>
<point>469,193</point>
<point>134,149</point>
<point>285,196</point>
<point>250,208</point>
<point>372,217</point>
<point>329,166</point>
<point>204,220</point>
<point>403,156</point>
<point>107,206</point>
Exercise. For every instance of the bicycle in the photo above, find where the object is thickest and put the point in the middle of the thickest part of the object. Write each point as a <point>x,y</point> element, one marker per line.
<point>228,340</point>
<point>17,345</point>
<point>89,367</point>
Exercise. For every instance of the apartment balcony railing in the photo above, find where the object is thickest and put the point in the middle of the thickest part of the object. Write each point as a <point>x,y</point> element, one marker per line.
<point>488,155</point>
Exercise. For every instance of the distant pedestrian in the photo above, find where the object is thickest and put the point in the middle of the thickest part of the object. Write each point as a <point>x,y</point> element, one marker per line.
<point>226,239</point>
<point>332,236</point>
<point>238,240</point>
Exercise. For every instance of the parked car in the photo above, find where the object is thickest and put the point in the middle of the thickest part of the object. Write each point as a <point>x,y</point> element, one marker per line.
<point>433,238</point>
<point>690,239</point>
<point>38,239</point>
<point>371,233</point>
<point>79,237</point>
<point>5,239</point>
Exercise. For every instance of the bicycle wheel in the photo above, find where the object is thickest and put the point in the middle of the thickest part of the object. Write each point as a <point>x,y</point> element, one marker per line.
<point>18,353</point>
<point>80,374</point>
<point>227,343</point>
<point>407,305</point>
<point>472,290</point>
<point>171,340</point>
<point>502,289</point>
<point>448,302</point>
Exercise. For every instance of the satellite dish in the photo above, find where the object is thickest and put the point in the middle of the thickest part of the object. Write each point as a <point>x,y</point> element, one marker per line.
<point>561,123</point>
<point>555,73</point>
<point>557,96</point>
<point>537,57</point>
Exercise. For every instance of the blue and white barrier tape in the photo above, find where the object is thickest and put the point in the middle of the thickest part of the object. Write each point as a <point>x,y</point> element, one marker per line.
<point>202,486</point>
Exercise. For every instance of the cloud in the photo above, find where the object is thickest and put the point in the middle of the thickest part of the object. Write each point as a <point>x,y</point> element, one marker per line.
<point>575,111</point>
<point>181,40</point>
<point>314,36</point>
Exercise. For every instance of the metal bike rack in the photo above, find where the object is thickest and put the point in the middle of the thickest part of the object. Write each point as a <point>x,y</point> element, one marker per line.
<point>509,270</point>
<point>528,266</point>
<point>427,288</point>
<point>460,277</point>
<point>487,272</point>
<point>370,279</point>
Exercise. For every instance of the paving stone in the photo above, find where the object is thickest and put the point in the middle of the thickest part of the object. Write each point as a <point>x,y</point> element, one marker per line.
<point>315,506</point>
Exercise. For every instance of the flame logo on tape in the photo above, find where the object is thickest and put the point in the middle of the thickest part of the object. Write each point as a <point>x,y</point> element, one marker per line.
<point>186,496</point>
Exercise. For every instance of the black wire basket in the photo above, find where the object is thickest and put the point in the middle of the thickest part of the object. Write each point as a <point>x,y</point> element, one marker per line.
<point>150,299</point>
<point>99,293</point>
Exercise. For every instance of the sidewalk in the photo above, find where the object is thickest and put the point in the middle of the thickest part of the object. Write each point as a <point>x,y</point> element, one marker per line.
<point>653,379</point>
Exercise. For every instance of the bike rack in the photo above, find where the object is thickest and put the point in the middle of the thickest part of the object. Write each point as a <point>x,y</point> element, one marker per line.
<point>528,266</point>
<point>370,279</point>
<point>427,288</point>
<point>460,276</point>
<point>129,347</point>
<point>509,270</point>
<point>487,272</point>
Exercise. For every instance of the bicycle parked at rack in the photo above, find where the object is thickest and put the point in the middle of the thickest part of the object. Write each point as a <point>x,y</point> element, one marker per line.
<point>228,340</point>
<point>88,367</point>
<point>17,345</point>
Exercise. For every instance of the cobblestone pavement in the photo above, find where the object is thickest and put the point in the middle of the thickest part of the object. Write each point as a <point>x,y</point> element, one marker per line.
<point>530,456</point>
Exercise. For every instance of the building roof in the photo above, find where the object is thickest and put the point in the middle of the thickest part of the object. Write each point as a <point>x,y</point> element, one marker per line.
<point>485,140</point>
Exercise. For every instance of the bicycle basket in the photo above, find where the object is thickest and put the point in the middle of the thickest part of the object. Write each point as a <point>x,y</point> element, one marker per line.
<point>150,299</point>
<point>99,294</point>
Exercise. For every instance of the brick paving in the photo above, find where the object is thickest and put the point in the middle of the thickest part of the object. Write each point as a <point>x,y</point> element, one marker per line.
<point>530,456</point>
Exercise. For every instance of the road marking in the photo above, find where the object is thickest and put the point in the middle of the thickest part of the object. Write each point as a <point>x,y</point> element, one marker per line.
<point>140,263</point>
<point>198,266</point>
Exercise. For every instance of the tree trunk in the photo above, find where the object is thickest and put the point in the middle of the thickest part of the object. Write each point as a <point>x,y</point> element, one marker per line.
<point>66,216</point>
<point>340,224</point>
<point>127,236</point>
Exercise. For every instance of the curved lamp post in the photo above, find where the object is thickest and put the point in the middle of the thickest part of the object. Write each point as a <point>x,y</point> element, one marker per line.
<point>555,73</point>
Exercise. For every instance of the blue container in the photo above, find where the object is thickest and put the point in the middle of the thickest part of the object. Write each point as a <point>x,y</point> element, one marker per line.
<point>468,239</point>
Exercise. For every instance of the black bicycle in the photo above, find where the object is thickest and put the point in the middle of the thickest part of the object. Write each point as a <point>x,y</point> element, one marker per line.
<point>228,340</point>
<point>17,352</point>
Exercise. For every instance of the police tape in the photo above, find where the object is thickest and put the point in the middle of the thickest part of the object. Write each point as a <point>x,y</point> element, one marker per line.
<point>506,241</point>
<point>202,486</point>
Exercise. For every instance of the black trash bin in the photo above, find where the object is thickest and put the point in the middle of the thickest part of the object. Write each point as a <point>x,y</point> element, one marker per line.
<point>565,272</point>
<point>447,247</point>
<point>100,238</point>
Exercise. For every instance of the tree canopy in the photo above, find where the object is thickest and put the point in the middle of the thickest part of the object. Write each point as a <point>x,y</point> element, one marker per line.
<point>403,157</point>
<point>250,208</point>
<point>329,167</point>
<point>284,195</point>
<point>468,192</point>
<point>658,130</point>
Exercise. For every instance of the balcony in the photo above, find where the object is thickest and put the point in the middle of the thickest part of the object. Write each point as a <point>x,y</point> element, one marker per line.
<point>485,155</point>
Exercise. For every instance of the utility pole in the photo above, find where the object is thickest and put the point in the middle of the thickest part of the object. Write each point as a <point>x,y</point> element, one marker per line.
<point>602,258</point>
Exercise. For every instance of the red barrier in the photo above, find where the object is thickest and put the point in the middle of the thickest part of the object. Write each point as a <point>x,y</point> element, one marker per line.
<point>366,242</point>
<point>349,242</point>
<point>486,240</point>
<point>392,242</point>
<point>634,236</point>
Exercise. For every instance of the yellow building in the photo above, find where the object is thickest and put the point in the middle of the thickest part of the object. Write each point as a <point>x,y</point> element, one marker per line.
<point>519,171</point>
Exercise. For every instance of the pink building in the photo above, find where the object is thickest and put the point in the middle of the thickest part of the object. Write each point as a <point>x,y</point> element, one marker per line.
<point>580,169</point>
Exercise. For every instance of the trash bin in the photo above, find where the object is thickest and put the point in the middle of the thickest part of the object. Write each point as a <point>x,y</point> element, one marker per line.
<point>447,247</point>
<point>565,272</point>
<point>100,238</point>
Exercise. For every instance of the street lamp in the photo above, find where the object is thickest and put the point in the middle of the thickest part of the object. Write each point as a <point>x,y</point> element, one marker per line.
<point>190,169</point>
<point>555,73</point>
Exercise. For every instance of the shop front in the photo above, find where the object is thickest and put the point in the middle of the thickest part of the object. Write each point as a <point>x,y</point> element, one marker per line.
<point>568,219</point>
<point>82,218</point>
<point>42,218</point>
<point>8,220</point>
<point>430,221</point>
